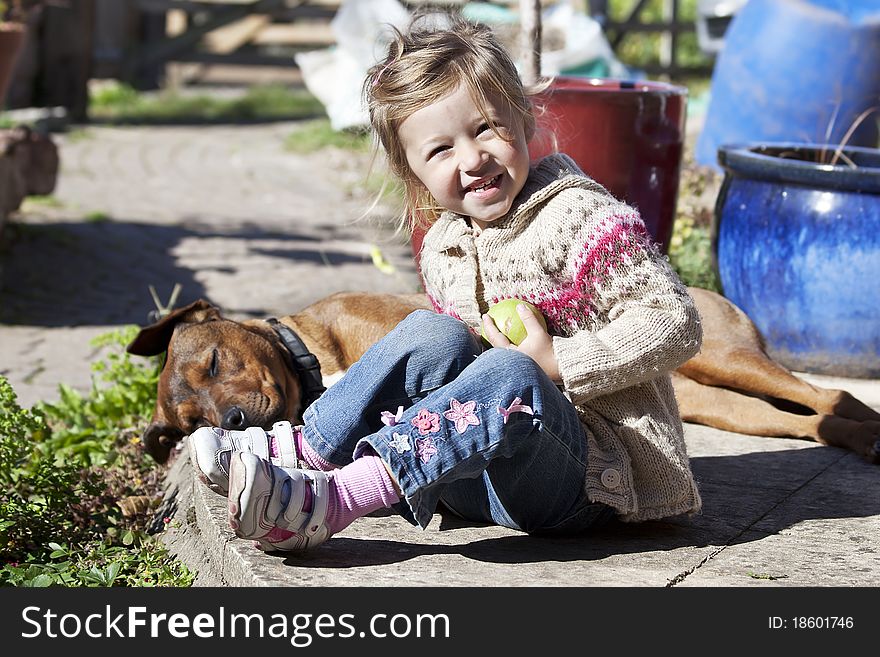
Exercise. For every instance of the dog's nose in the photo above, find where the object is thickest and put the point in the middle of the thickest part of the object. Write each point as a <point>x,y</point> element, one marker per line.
<point>234,418</point>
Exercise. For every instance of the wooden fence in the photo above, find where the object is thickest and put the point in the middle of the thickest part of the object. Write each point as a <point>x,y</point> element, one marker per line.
<point>670,29</point>
<point>263,32</point>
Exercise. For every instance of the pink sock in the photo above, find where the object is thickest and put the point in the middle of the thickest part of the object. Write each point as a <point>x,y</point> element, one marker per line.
<point>357,489</point>
<point>314,460</point>
<point>309,455</point>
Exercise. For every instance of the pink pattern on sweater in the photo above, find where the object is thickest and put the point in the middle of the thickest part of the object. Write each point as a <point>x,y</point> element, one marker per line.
<point>567,306</point>
<point>443,310</point>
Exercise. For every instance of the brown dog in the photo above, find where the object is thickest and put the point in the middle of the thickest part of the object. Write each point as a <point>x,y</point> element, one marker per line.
<point>220,372</point>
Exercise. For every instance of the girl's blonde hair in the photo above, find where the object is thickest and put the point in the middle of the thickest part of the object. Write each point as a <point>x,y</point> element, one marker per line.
<point>422,66</point>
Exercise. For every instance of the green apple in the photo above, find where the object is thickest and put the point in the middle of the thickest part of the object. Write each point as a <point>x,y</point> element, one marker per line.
<point>508,322</point>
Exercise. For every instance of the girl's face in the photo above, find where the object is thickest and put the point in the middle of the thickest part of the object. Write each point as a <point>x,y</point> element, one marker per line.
<point>463,163</point>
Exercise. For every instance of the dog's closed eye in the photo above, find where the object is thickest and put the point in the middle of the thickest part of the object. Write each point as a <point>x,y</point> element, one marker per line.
<point>215,363</point>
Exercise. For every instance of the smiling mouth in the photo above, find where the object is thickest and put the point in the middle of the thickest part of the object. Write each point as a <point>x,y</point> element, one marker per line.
<point>485,184</point>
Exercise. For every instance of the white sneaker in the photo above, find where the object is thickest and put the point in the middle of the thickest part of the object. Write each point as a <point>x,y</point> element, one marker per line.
<point>266,504</point>
<point>210,449</point>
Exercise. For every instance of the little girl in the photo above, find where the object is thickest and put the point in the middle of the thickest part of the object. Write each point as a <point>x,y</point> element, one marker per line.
<point>568,429</point>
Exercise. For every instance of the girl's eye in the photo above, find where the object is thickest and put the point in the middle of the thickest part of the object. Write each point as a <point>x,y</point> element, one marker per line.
<point>437,151</point>
<point>483,128</point>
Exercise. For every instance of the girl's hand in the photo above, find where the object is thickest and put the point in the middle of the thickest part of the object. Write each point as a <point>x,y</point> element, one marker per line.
<point>538,344</point>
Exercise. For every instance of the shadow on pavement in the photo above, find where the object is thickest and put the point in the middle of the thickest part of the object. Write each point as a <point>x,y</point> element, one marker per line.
<point>99,272</point>
<point>734,513</point>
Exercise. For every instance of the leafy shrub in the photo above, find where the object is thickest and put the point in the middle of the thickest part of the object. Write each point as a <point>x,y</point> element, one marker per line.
<point>69,474</point>
<point>86,428</point>
<point>97,564</point>
<point>690,249</point>
<point>690,252</point>
<point>38,498</point>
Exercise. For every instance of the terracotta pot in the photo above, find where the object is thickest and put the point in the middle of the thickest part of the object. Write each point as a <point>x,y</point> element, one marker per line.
<point>628,136</point>
<point>11,42</point>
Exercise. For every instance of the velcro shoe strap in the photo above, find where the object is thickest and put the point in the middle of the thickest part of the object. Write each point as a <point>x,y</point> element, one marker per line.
<point>306,523</point>
<point>292,516</point>
<point>320,501</point>
<point>287,457</point>
<point>259,442</point>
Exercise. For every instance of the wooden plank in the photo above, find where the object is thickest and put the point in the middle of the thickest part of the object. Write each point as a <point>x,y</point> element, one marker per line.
<point>193,6</point>
<point>230,38</point>
<point>171,47</point>
<point>154,6</point>
<point>236,59</point>
<point>296,34</point>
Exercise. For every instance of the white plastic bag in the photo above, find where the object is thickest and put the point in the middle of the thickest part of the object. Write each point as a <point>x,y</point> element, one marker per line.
<point>583,42</point>
<point>335,75</point>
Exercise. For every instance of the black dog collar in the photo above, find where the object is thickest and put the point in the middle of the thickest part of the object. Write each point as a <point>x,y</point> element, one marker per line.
<point>305,364</point>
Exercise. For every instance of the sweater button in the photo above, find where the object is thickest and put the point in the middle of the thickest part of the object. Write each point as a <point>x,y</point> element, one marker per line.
<point>610,478</point>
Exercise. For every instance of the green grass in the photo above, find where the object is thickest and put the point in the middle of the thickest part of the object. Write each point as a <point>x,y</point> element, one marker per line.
<point>97,217</point>
<point>48,201</point>
<point>121,103</point>
<point>318,134</point>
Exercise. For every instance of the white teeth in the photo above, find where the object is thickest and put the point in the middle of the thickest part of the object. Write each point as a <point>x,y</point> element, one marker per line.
<point>482,186</point>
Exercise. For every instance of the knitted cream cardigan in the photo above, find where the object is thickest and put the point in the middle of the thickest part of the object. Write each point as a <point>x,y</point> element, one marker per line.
<point>620,317</point>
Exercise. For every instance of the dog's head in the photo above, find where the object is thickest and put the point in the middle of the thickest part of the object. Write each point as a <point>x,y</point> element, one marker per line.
<point>217,372</point>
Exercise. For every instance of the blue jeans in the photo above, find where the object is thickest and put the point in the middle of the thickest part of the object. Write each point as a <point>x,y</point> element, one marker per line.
<point>486,433</point>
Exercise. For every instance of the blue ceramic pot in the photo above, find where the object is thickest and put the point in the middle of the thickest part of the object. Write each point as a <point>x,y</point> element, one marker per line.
<point>797,247</point>
<point>795,70</point>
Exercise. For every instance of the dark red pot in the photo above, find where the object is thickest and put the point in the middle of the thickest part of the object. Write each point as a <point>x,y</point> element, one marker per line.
<point>629,136</point>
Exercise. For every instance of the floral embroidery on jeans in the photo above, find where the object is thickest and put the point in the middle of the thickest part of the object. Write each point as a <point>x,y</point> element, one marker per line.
<point>400,442</point>
<point>425,448</point>
<point>462,414</point>
<point>389,419</point>
<point>516,406</point>
<point>426,422</point>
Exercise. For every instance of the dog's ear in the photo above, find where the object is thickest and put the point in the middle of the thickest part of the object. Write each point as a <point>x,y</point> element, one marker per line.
<point>159,439</point>
<point>153,339</point>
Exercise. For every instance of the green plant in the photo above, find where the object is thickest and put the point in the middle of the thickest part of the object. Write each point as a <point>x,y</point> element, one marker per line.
<point>68,474</point>
<point>38,497</point>
<point>86,428</point>
<point>690,253</point>
<point>690,248</point>
<point>146,563</point>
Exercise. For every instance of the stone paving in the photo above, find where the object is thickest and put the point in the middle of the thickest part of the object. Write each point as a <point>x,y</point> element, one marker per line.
<point>229,215</point>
